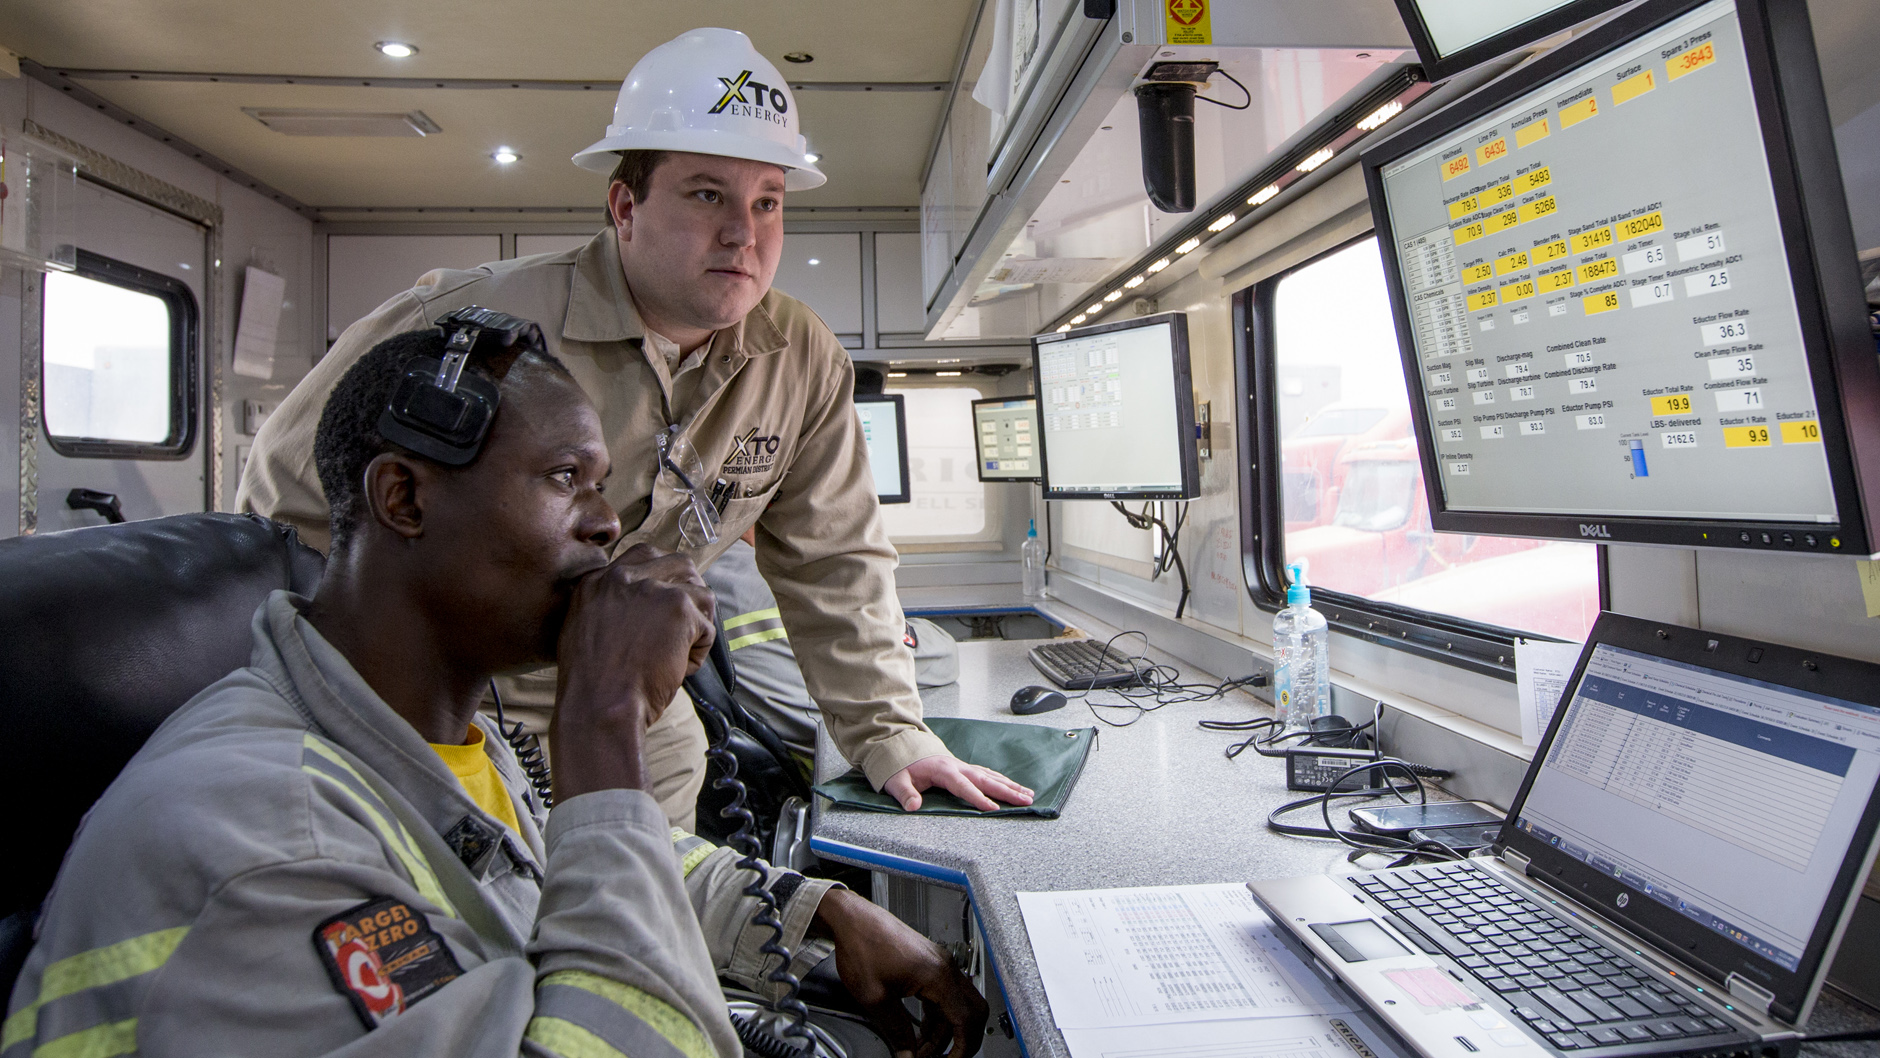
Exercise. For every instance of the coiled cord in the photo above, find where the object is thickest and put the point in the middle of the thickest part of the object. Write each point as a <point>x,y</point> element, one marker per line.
<point>528,749</point>
<point>743,840</point>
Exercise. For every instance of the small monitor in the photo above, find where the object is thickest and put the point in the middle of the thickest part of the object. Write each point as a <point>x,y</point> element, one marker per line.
<point>1116,411</point>
<point>1454,35</point>
<point>1608,338</point>
<point>884,427</point>
<point>1005,436</point>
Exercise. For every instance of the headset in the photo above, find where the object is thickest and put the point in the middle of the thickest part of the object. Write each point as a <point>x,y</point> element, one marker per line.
<point>440,412</point>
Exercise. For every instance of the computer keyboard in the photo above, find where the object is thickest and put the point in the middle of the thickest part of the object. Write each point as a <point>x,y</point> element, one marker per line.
<point>1572,988</point>
<point>1079,664</point>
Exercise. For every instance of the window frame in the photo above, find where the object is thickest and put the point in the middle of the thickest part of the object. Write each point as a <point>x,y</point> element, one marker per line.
<point>1471,645</point>
<point>185,360</point>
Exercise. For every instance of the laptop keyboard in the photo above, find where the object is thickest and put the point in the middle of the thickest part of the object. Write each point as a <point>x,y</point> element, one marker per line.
<point>1570,987</point>
<point>1078,664</point>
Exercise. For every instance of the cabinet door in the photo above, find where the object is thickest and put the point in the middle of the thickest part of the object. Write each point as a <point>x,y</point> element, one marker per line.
<point>825,273</point>
<point>365,271</point>
<point>898,305</point>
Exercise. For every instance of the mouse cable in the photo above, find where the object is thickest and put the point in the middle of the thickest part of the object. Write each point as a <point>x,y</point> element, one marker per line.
<point>1159,685</point>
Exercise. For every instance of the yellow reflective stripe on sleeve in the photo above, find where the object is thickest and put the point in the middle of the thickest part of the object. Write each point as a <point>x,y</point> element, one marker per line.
<point>391,831</point>
<point>92,969</point>
<point>568,1039</point>
<point>99,1041</point>
<point>757,637</point>
<point>664,1019</point>
<point>772,614</point>
<point>694,858</point>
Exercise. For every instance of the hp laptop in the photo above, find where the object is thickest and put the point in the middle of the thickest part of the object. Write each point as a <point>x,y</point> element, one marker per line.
<point>1672,879</point>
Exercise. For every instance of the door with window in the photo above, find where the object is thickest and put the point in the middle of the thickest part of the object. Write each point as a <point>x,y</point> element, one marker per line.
<point>123,383</point>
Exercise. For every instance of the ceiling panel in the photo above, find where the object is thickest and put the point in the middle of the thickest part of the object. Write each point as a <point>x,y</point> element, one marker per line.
<point>852,40</point>
<point>873,143</point>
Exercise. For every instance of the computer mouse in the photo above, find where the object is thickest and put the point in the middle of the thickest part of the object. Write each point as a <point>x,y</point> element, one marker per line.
<point>1035,699</point>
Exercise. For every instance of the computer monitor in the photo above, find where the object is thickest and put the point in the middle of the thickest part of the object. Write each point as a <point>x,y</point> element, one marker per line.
<point>884,427</point>
<point>1005,438</point>
<point>1116,411</point>
<point>1626,292</point>
<point>1454,35</point>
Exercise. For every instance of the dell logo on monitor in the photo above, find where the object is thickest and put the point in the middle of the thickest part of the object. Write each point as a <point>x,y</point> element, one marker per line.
<point>1595,530</point>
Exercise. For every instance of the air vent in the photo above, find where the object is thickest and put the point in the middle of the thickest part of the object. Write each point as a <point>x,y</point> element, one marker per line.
<point>296,122</point>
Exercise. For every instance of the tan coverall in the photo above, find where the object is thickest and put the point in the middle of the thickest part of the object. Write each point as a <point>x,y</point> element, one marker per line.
<point>768,407</point>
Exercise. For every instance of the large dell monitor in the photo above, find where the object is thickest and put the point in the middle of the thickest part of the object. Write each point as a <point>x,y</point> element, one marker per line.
<point>1116,411</point>
<point>884,427</point>
<point>1005,438</point>
<point>1627,297</point>
<point>1454,35</point>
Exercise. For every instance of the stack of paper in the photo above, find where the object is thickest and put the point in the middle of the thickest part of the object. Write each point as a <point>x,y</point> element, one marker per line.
<point>1183,970</point>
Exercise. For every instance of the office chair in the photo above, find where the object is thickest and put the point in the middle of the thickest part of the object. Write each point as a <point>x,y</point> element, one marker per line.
<point>108,630</point>
<point>777,794</point>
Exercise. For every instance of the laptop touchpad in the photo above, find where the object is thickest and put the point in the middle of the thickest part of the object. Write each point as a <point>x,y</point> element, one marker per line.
<point>1359,941</point>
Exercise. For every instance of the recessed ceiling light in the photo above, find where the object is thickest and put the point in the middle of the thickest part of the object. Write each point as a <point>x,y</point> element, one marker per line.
<point>1315,159</point>
<point>396,49</point>
<point>1134,283</point>
<point>1094,308</point>
<point>1158,266</point>
<point>798,56</point>
<point>1113,295</point>
<point>1264,195</point>
<point>1188,245</point>
<point>897,374</point>
<point>1222,223</point>
<point>1064,328</point>
<point>815,260</point>
<point>504,156</point>
<point>812,157</point>
<point>946,374</point>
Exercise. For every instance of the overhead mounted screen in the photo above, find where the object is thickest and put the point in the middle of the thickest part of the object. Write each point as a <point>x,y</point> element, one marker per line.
<point>1453,35</point>
<point>1609,291</point>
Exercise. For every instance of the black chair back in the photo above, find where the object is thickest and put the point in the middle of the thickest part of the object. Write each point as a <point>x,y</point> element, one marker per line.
<point>104,632</point>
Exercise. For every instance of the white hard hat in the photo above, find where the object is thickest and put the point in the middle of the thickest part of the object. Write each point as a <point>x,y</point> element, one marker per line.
<point>707,92</point>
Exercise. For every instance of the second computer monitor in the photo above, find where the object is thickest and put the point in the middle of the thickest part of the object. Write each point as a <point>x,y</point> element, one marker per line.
<point>884,427</point>
<point>1116,411</point>
<point>1005,438</point>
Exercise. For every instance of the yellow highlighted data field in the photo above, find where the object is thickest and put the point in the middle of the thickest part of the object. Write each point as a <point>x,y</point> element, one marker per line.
<point>1690,62</point>
<point>1598,303</point>
<point>1504,220</point>
<point>1540,207</point>
<point>1492,151</point>
<point>1477,273</point>
<point>1578,112</point>
<point>1560,279</point>
<point>1633,87</point>
<point>1746,437</point>
<point>1468,233</point>
<point>1538,178</point>
<point>1594,271</point>
<point>1641,226</point>
<point>1550,251</point>
<point>1462,207</point>
<point>1455,167</point>
<point>1517,291</point>
<point>1676,404</point>
<point>1592,240</point>
<point>1531,133</point>
<point>1514,262</point>
<point>1484,300</point>
<point>1802,432</point>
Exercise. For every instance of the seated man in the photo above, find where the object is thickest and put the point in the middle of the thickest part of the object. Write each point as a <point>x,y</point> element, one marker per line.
<point>329,851</point>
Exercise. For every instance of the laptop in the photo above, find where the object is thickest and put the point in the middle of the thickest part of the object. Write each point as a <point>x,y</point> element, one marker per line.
<point>1672,879</point>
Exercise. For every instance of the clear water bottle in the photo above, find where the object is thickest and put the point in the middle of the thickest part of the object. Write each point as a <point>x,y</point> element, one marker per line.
<point>1033,554</point>
<point>1302,670</point>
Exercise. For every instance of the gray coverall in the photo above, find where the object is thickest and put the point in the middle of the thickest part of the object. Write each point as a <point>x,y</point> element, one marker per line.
<point>286,868</point>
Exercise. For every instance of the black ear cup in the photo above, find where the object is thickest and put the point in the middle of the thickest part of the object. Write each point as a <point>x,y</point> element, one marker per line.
<point>447,425</point>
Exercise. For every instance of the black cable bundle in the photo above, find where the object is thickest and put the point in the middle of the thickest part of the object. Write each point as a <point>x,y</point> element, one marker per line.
<point>1360,842</point>
<point>528,750</point>
<point>1159,685</point>
<point>1171,538</point>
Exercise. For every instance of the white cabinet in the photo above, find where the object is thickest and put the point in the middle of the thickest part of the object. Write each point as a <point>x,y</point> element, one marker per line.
<point>824,271</point>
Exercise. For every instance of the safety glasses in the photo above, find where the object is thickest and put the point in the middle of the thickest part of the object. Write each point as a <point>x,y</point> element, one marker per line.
<point>681,471</point>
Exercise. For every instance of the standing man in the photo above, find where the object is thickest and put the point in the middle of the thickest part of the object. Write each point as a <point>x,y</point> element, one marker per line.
<point>724,403</point>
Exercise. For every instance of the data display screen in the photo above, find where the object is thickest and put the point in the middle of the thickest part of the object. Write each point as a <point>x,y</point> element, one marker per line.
<point>1456,24</point>
<point>1005,436</point>
<point>1597,288</point>
<point>884,427</point>
<point>1115,411</point>
<point>1731,801</point>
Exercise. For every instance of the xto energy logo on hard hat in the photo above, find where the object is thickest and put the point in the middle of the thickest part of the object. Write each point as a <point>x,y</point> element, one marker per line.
<point>767,103</point>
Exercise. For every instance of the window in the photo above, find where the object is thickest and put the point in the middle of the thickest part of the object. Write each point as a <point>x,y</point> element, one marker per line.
<point>1351,502</point>
<point>119,362</point>
<point>948,500</point>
